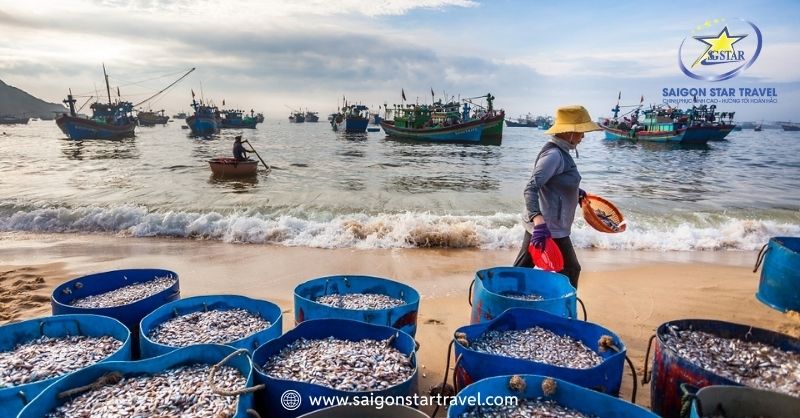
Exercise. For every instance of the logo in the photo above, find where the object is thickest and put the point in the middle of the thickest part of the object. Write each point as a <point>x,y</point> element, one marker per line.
<point>291,400</point>
<point>719,49</point>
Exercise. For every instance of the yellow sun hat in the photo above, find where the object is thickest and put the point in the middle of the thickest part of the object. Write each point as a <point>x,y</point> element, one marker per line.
<point>572,119</point>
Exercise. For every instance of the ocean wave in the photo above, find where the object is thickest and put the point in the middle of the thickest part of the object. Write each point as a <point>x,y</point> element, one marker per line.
<point>397,230</point>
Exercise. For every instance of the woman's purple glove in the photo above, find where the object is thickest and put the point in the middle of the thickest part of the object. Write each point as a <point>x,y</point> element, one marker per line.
<point>581,196</point>
<point>540,234</point>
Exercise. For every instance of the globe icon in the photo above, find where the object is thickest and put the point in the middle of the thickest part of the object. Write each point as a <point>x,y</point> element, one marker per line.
<point>290,400</point>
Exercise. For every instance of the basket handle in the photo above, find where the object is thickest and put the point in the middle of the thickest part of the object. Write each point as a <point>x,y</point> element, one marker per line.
<point>647,377</point>
<point>469,292</point>
<point>760,257</point>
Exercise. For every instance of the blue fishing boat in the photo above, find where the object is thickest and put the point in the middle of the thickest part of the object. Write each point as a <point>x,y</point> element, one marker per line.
<point>653,127</point>
<point>113,120</point>
<point>108,121</point>
<point>353,119</point>
<point>206,119</point>
<point>704,123</point>
<point>237,119</point>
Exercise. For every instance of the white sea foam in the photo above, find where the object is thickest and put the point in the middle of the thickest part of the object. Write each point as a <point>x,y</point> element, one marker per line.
<point>400,230</point>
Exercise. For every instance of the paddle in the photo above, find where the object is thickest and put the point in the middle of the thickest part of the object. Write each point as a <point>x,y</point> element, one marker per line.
<point>259,157</point>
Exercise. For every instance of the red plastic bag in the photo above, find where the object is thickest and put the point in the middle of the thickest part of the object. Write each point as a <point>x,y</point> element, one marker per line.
<point>549,259</point>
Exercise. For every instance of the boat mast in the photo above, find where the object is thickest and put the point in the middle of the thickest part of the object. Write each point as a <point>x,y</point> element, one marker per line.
<point>108,89</point>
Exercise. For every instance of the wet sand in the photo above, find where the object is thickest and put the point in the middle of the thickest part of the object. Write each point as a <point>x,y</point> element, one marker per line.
<point>630,293</point>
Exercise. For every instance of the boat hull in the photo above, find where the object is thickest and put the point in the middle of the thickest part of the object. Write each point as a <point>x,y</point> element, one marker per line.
<point>672,136</point>
<point>355,126</point>
<point>511,124</point>
<point>239,124</point>
<point>464,133</point>
<point>152,120</point>
<point>698,134</point>
<point>79,128</point>
<point>229,167</point>
<point>791,127</point>
<point>202,126</point>
<point>493,129</point>
<point>14,121</point>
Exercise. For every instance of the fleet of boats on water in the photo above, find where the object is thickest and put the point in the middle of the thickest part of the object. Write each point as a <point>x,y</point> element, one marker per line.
<point>469,120</point>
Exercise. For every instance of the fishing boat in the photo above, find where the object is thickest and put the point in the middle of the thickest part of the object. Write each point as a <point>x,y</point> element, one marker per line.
<point>703,123</point>
<point>180,115</point>
<point>492,132</point>
<point>654,127</point>
<point>757,128</point>
<point>13,120</point>
<point>375,118</point>
<point>353,119</point>
<point>150,118</point>
<point>526,122</point>
<point>237,119</point>
<point>544,122</point>
<point>297,117</point>
<point>112,120</point>
<point>312,117</point>
<point>789,126</point>
<point>206,119</point>
<point>446,122</point>
<point>259,117</point>
<point>230,167</point>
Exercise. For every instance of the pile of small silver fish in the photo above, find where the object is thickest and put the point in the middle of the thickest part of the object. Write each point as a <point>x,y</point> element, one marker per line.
<point>125,295</point>
<point>215,327</point>
<point>606,220</point>
<point>523,296</point>
<point>181,392</point>
<point>539,345</point>
<point>525,409</point>
<point>748,363</point>
<point>47,357</point>
<point>361,366</point>
<point>360,301</point>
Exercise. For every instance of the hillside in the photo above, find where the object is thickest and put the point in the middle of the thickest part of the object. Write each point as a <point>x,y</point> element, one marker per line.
<point>16,102</point>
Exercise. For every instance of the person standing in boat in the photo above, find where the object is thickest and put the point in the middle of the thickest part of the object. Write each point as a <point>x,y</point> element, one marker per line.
<point>553,193</point>
<point>239,151</point>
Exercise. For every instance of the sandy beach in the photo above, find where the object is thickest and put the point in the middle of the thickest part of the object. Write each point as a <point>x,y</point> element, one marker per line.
<point>630,293</point>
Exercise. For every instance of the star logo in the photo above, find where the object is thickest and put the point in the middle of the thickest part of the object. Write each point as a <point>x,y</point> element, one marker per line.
<point>720,47</point>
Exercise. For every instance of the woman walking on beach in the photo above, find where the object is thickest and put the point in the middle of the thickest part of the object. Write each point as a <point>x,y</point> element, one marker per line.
<point>553,192</point>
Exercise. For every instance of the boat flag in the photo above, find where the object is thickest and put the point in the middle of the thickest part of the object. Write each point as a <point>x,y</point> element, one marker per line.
<point>433,96</point>
<point>641,100</point>
<point>223,102</point>
<point>403,93</point>
<point>118,95</point>
<point>192,93</point>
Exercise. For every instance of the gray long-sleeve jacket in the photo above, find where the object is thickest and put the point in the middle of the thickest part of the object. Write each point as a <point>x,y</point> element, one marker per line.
<point>553,189</point>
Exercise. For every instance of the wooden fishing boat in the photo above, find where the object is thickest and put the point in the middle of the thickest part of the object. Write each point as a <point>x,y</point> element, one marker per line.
<point>205,120</point>
<point>237,119</point>
<point>469,132</point>
<point>13,120</point>
<point>642,135</point>
<point>789,126</point>
<point>150,118</point>
<point>312,116</point>
<point>230,167</point>
<point>353,119</point>
<point>656,126</point>
<point>113,120</point>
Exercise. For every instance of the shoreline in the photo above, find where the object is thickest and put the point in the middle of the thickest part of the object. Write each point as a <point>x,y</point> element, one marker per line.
<point>629,292</point>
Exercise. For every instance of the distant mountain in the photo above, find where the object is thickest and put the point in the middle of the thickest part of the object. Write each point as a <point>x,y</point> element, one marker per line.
<point>15,102</point>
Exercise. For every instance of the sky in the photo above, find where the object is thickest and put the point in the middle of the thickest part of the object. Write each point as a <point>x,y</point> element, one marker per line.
<point>273,56</point>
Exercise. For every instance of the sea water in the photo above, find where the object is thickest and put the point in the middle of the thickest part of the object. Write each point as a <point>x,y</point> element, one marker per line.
<point>329,190</point>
